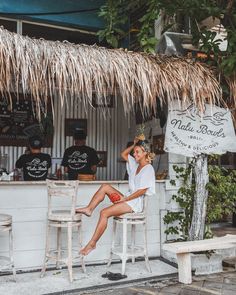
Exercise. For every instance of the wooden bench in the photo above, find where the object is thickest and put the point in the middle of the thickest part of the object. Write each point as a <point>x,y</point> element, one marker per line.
<point>183,252</point>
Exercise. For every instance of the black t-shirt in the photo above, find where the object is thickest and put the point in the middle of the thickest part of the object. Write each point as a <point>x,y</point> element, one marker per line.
<point>35,166</point>
<point>79,160</point>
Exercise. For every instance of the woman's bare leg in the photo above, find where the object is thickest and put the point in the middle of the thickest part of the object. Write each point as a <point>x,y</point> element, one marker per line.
<point>113,210</point>
<point>105,189</point>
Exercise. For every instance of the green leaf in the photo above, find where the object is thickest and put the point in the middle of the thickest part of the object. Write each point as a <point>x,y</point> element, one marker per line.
<point>172,182</point>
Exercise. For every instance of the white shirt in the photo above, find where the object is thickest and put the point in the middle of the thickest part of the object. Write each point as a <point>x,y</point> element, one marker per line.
<point>145,179</point>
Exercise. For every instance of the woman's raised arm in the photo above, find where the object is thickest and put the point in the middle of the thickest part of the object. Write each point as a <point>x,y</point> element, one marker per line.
<point>126,152</point>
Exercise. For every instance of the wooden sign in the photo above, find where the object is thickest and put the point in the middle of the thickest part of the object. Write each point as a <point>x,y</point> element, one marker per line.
<point>192,133</point>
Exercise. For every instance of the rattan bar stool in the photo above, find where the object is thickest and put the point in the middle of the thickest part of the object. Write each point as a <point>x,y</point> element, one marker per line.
<point>132,251</point>
<point>7,262</point>
<point>60,219</point>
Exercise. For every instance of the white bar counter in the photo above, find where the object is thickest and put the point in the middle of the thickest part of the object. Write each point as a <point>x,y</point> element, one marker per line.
<point>27,203</point>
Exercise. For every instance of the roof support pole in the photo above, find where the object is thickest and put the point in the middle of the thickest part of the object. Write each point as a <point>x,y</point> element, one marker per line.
<point>19,27</point>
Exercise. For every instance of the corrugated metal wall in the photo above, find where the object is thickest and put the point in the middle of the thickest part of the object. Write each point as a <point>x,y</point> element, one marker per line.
<point>107,132</point>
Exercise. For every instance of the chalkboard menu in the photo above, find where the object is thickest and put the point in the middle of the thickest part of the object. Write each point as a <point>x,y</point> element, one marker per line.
<point>18,122</point>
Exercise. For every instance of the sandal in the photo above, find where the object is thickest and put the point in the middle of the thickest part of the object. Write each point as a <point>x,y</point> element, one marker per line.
<point>107,274</point>
<point>116,277</point>
<point>78,212</point>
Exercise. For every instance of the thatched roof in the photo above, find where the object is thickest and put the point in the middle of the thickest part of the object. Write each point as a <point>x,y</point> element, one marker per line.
<point>44,68</point>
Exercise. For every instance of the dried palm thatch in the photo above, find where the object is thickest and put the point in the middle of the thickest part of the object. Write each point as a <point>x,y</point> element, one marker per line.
<point>231,81</point>
<point>45,68</point>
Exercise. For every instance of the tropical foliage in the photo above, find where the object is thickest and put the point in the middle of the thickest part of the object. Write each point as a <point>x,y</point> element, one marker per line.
<point>116,14</point>
<point>221,199</point>
<point>175,14</point>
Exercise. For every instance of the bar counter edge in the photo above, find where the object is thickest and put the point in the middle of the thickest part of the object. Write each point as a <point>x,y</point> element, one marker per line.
<point>81,182</point>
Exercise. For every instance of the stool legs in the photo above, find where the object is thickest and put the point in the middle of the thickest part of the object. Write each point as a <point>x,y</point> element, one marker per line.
<point>145,248</point>
<point>132,241</point>
<point>80,246</point>
<point>8,261</point>
<point>69,247</point>
<point>58,247</point>
<point>113,239</point>
<point>124,254</point>
<point>47,248</point>
<point>58,256</point>
<point>11,254</point>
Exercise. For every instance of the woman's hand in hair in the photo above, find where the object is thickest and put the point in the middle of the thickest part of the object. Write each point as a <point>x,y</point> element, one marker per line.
<point>136,139</point>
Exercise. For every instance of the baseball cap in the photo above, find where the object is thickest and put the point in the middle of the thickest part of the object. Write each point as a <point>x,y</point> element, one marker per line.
<point>80,134</point>
<point>35,142</point>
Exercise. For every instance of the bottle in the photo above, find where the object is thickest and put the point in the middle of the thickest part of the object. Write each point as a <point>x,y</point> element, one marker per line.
<point>16,175</point>
<point>59,174</point>
<point>66,177</point>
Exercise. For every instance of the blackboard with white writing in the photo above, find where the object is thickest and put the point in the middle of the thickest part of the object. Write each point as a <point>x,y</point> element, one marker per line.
<point>18,122</point>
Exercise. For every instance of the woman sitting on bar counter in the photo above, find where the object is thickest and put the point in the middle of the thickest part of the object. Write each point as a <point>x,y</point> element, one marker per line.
<point>141,182</point>
<point>35,164</point>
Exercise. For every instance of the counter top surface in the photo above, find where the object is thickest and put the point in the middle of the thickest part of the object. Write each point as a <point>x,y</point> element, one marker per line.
<point>81,182</point>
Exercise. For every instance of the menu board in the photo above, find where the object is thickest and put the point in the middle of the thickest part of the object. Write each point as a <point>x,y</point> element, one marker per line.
<point>18,122</point>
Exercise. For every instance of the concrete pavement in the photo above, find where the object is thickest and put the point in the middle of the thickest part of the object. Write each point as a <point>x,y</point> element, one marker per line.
<point>217,284</point>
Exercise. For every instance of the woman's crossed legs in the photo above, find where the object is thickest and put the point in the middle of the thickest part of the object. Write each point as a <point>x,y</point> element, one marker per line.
<point>113,210</point>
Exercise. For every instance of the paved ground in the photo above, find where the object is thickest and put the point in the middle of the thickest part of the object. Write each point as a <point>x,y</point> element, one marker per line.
<point>222,229</point>
<point>56,281</point>
<point>218,284</point>
<point>162,281</point>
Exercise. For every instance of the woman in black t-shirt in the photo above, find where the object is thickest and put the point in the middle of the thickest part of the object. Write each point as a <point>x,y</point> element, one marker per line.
<point>35,165</point>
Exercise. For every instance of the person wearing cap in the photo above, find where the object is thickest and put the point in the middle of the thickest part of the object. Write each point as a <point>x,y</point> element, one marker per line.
<point>35,165</point>
<point>80,159</point>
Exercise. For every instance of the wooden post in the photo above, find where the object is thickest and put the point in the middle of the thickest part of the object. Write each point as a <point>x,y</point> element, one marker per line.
<point>197,228</point>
